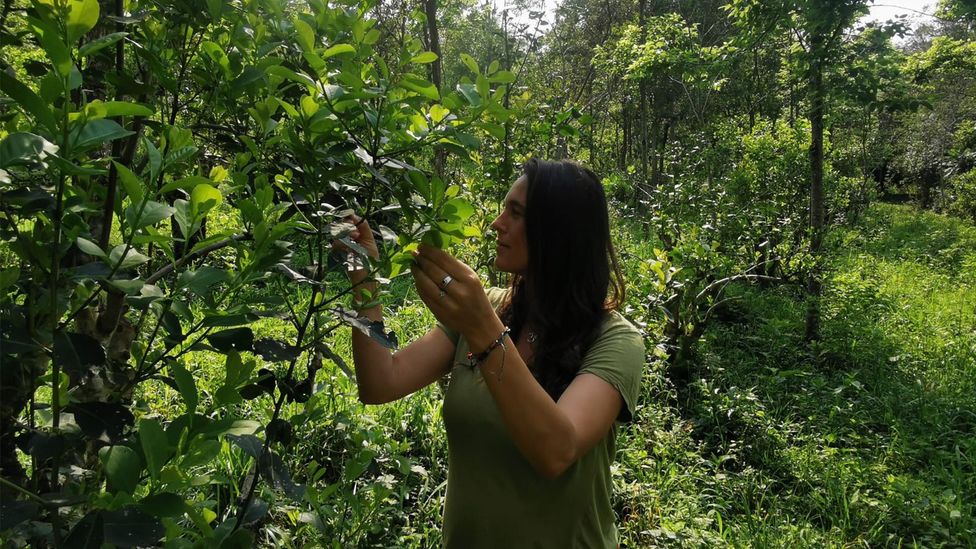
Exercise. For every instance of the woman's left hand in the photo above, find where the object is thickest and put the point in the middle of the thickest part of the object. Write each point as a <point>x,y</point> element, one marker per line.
<point>454,293</point>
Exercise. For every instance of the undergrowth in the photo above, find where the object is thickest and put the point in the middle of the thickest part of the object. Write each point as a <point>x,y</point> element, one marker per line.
<point>864,439</point>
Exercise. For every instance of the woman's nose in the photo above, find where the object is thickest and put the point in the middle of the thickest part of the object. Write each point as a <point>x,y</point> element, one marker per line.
<point>496,224</point>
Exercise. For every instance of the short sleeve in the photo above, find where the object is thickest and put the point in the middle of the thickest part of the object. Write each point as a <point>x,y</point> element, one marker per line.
<point>617,357</point>
<point>495,296</point>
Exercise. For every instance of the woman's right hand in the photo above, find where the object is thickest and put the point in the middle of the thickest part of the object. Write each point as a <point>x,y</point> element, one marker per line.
<point>361,234</point>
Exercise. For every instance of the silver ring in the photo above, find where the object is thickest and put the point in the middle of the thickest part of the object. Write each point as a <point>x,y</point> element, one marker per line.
<point>442,294</point>
<point>444,283</point>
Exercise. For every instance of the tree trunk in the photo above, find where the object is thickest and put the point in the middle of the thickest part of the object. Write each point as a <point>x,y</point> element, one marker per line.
<point>817,94</point>
<point>662,148</point>
<point>625,139</point>
<point>642,105</point>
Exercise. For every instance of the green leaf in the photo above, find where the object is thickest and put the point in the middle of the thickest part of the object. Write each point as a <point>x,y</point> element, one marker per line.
<point>218,56</point>
<point>155,159</point>
<point>30,102</point>
<point>235,339</point>
<point>423,58</point>
<point>201,452</point>
<point>76,353</point>
<point>152,213</point>
<point>99,132</point>
<point>122,467</point>
<point>186,384</point>
<point>314,61</point>
<point>131,259</point>
<point>163,504</point>
<point>89,247</point>
<point>154,446</point>
<point>502,77</point>
<point>239,427</point>
<point>438,113</point>
<point>495,130</point>
<point>128,287</point>
<point>421,86</point>
<point>8,277</point>
<point>101,43</point>
<point>219,319</point>
<point>202,280</point>
<point>105,421</point>
<point>457,210</point>
<point>338,49</point>
<point>203,198</point>
<point>371,37</point>
<point>216,9</point>
<point>82,16</point>
<point>470,93</point>
<point>470,63</point>
<point>274,471</point>
<point>22,148</point>
<point>54,47</point>
<point>235,372</point>
<point>184,218</point>
<point>186,184</point>
<point>241,371</point>
<point>108,109</point>
<point>305,35</point>
<point>288,74</point>
<point>227,394</point>
<point>248,76</point>
<point>309,106</point>
<point>499,113</point>
<point>130,182</point>
<point>483,86</point>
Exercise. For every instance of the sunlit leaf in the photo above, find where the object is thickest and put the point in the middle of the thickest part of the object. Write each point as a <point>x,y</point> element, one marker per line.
<point>338,49</point>
<point>425,57</point>
<point>132,257</point>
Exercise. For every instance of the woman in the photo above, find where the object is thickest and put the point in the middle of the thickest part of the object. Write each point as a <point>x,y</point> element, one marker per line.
<point>539,372</point>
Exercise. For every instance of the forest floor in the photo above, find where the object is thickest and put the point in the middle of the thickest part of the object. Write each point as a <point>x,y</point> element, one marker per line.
<point>867,439</point>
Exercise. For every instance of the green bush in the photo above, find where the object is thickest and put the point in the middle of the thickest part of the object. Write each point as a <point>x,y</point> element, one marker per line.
<point>958,196</point>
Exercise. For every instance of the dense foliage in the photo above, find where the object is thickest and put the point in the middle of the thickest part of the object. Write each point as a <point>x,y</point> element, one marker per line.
<point>173,175</point>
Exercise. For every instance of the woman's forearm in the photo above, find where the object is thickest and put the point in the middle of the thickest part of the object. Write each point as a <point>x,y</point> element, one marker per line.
<point>540,430</point>
<point>373,362</point>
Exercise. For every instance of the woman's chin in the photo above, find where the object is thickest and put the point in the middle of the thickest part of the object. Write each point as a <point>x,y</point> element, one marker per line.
<point>505,267</point>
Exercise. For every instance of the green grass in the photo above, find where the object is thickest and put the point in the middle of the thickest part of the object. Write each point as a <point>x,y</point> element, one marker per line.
<point>867,439</point>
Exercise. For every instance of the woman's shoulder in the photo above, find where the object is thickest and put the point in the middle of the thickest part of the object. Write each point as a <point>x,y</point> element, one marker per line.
<point>617,325</point>
<point>496,296</point>
<point>618,335</point>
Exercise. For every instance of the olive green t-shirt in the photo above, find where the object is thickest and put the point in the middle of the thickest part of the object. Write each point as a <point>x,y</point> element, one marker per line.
<point>495,498</point>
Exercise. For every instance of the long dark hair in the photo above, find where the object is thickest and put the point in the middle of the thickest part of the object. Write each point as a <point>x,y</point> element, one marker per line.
<point>573,278</point>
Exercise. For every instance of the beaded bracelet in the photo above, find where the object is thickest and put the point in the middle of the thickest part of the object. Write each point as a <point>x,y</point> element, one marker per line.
<point>476,359</point>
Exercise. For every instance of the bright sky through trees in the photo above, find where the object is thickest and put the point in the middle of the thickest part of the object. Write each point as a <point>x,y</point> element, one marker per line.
<point>883,10</point>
